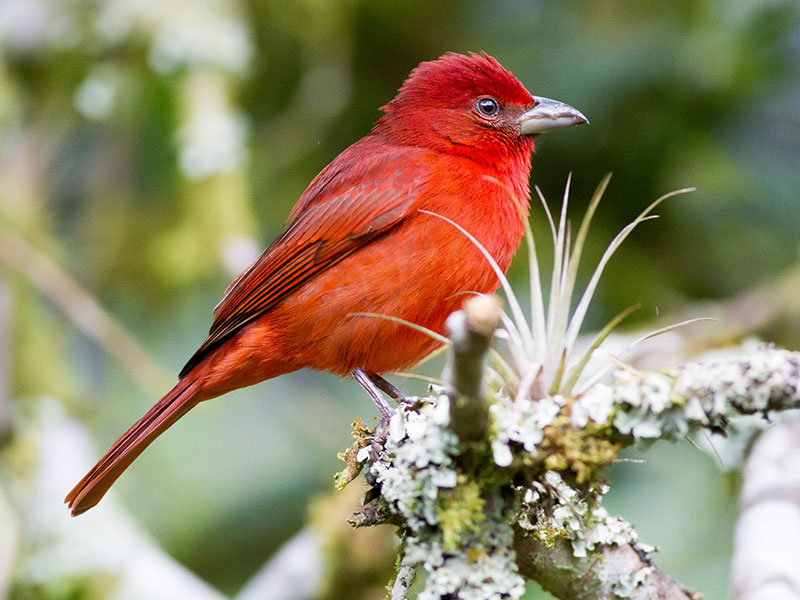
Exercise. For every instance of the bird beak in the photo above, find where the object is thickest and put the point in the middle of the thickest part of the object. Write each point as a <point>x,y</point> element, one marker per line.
<point>547,115</point>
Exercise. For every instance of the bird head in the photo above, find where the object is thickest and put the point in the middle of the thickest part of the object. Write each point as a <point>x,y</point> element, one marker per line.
<point>470,105</point>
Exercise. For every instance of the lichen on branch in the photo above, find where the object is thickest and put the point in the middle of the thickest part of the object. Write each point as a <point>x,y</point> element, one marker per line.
<point>669,404</point>
<point>537,470</point>
<point>497,476</point>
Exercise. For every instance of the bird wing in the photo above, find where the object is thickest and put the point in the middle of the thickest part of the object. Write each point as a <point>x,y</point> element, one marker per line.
<point>335,221</point>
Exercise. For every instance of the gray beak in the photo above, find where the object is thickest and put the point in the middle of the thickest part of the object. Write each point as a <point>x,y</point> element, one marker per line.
<point>547,115</point>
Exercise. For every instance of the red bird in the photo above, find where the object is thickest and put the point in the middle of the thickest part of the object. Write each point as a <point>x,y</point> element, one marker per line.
<point>455,141</point>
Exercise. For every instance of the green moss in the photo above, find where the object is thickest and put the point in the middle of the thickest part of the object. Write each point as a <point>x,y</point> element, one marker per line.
<point>460,510</point>
<point>548,534</point>
<point>363,437</point>
<point>583,452</point>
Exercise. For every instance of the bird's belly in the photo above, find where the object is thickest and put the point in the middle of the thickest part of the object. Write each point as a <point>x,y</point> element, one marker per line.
<point>419,272</point>
<point>344,327</point>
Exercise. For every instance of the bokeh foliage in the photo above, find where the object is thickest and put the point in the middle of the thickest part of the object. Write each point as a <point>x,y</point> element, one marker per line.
<point>151,148</point>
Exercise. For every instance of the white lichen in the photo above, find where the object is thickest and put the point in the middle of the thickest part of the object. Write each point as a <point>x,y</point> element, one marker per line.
<point>596,406</point>
<point>458,522</point>
<point>764,380</point>
<point>417,461</point>
<point>573,516</point>
<point>625,584</point>
<point>669,405</point>
<point>485,570</point>
<point>520,422</point>
<point>415,470</point>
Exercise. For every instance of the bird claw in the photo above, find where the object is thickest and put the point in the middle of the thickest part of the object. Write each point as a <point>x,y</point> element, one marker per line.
<point>378,442</point>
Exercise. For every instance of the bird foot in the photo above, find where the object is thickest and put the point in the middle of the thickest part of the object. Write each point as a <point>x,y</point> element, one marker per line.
<point>378,443</point>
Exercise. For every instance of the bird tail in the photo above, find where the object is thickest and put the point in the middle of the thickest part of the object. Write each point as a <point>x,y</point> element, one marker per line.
<point>176,403</point>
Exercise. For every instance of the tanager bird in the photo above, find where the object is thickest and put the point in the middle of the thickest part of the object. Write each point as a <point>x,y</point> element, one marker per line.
<point>367,236</point>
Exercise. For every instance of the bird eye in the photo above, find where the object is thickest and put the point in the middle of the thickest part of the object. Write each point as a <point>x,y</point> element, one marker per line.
<point>487,106</point>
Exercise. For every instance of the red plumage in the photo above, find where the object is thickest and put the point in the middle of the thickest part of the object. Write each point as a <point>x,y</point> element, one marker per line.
<point>357,241</point>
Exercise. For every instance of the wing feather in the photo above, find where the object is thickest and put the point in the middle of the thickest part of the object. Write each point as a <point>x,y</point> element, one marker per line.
<point>325,231</point>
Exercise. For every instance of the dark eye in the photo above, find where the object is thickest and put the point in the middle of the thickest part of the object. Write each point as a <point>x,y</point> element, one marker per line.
<point>487,106</point>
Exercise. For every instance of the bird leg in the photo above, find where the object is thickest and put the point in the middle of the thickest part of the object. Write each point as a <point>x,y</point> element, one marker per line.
<point>386,387</point>
<point>373,388</point>
<point>374,384</point>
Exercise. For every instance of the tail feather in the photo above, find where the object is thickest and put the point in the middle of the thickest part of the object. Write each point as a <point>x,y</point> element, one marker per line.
<point>127,448</point>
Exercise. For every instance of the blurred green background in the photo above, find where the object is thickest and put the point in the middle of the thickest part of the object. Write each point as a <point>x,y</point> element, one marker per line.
<point>150,149</point>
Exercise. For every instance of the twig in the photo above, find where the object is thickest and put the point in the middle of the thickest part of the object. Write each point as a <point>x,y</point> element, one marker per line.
<point>403,582</point>
<point>83,310</point>
<point>471,332</point>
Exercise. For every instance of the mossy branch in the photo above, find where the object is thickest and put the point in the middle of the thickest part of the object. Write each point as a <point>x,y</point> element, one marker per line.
<point>611,571</point>
<point>524,497</point>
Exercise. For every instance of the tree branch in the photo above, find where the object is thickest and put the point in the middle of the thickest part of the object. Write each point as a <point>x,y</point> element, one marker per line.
<point>83,310</point>
<point>611,572</point>
<point>471,331</point>
<point>767,539</point>
<point>456,500</point>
